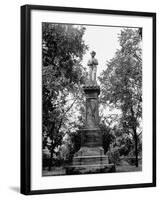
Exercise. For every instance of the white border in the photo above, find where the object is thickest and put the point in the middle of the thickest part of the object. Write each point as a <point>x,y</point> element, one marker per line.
<point>41,183</point>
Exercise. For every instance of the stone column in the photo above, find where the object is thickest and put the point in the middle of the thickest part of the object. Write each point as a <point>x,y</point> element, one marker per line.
<point>91,135</point>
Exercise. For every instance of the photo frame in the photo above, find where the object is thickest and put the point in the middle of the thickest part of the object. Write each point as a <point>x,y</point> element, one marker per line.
<point>37,22</point>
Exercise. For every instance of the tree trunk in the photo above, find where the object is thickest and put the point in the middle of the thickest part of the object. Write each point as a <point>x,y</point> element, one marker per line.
<point>54,132</point>
<point>136,148</point>
<point>52,146</point>
<point>51,157</point>
<point>135,137</point>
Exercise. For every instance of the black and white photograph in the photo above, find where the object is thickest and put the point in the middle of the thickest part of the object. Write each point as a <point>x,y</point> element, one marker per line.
<point>88,102</point>
<point>91,99</point>
<point>79,100</point>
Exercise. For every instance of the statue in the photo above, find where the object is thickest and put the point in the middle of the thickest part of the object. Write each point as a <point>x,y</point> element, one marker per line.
<point>92,63</point>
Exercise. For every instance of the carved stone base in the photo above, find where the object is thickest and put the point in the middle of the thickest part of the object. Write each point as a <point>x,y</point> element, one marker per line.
<point>90,169</point>
<point>91,137</point>
<point>90,155</point>
<point>90,160</point>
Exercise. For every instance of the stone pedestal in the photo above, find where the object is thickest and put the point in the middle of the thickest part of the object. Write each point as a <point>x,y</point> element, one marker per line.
<point>90,158</point>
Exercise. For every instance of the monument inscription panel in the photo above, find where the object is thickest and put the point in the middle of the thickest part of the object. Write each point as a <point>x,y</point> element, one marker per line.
<point>92,118</point>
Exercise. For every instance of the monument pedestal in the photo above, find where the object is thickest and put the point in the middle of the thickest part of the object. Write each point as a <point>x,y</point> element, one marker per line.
<point>90,158</point>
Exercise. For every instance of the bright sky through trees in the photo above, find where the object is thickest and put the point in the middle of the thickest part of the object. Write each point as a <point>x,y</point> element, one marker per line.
<point>103,40</point>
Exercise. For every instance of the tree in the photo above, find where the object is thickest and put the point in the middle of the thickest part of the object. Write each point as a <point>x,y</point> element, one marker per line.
<point>62,51</point>
<point>121,83</point>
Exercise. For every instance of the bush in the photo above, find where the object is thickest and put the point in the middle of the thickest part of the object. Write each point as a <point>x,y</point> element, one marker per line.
<point>114,156</point>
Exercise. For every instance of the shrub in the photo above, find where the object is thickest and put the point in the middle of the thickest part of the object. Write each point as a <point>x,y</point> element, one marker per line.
<point>114,156</point>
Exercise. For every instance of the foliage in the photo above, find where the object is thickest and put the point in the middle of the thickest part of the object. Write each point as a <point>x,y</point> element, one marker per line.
<point>107,136</point>
<point>71,144</point>
<point>114,156</point>
<point>62,50</point>
<point>121,83</point>
<point>76,141</point>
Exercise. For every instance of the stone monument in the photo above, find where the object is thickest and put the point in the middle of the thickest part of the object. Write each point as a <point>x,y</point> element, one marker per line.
<point>91,158</point>
<point>92,63</point>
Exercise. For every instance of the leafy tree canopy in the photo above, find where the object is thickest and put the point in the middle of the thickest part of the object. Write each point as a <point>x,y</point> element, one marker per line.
<point>121,82</point>
<point>62,51</point>
<point>121,85</point>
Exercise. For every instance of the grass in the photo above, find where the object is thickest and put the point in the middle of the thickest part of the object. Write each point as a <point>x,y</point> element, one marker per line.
<point>128,168</point>
<point>55,171</point>
<point>58,171</point>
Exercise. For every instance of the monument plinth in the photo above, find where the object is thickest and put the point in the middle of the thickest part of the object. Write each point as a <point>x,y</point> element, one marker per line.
<point>90,158</point>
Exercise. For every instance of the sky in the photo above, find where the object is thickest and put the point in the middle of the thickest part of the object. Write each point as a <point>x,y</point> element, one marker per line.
<point>104,41</point>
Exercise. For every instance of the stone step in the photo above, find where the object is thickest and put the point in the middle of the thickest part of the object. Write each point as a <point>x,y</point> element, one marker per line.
<point>90,151</point>
<point>87,169</point>
<point>85,160</point>
<point>94,156</point>
<point>92,165</point>
<point>90,162</point>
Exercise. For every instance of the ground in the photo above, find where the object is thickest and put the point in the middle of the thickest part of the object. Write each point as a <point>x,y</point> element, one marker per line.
<point>128,168</point>
<point>57,171</point>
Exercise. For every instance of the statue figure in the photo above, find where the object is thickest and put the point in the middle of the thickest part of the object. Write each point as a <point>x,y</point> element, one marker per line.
<point>92,63</point>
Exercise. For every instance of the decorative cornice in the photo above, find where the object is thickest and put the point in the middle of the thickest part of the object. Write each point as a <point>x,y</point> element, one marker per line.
<point>90,88</point>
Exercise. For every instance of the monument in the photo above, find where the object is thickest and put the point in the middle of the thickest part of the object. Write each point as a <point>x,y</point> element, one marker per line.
<point>91,158</point>
<point>92,63</point>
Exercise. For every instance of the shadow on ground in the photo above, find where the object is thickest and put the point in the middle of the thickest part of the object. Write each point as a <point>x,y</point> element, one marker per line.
<point>14,188</point>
